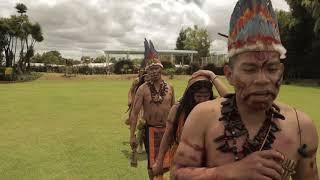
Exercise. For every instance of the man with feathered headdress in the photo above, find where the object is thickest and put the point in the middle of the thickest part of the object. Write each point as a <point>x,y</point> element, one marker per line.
<point>156,98</point>
<point>248,135</point>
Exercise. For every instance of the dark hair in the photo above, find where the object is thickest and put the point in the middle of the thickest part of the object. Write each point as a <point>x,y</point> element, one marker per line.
<point>140,82</point>
<point>187,103</point>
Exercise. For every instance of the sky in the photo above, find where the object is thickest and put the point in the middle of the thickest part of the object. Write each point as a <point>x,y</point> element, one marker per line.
<point>87,27</point>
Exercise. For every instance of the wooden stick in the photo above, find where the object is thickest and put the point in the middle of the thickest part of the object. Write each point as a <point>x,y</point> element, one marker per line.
<point>134,158</point>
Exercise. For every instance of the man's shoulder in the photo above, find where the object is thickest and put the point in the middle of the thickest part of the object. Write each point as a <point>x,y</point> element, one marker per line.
<point>168,84</point>
<point>208,111</point>
<point>142,88</point>
<point>288,110</point>
<point>284,108</point>
<point>306,124</point>
<point>211,106</point>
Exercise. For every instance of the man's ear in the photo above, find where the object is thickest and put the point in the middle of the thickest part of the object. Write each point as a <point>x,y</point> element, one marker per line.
<point>228,73</point>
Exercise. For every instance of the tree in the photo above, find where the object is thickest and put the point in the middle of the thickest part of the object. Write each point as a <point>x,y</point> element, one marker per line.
<point>194,38</point>
<point>3,38</point>
<point>21,8</point>
<point>52,57</point>
<point>123,66</point>
<point>1,59</point>
<point>100,59</point>
<point>313,6</point>
<point>37,58</point>
<point>86,59</point>
<point>180,41</point>
<point>17,32</point>
<point>297,30</point>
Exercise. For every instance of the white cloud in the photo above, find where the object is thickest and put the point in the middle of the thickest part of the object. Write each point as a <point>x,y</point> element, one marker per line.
<point>85,27</point>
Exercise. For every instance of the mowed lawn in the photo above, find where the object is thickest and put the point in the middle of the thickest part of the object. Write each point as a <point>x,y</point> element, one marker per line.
<point>74,129</point>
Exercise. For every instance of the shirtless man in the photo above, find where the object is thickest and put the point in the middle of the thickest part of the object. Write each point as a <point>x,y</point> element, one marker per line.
<point>249,135</point>
<point>142,78</point>
<point>156,98</point>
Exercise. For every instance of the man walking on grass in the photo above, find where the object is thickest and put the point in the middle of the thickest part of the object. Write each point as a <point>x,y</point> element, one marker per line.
<point>156,98</point>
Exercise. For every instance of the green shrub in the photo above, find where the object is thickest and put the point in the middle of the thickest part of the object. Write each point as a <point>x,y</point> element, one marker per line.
<point>192,68</point>
<point>212,67</point>
<point>167,65</point>
<point>169,72</point>
<point>180,71</point>
<point>31,76</point>
<point>122,67</point>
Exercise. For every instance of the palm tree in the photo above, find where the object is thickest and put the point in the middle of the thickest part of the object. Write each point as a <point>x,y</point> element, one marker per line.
<point>37,36</point>
<point>21,8</point>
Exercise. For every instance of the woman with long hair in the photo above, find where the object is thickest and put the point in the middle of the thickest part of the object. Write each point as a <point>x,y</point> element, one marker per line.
<point>199,90</point>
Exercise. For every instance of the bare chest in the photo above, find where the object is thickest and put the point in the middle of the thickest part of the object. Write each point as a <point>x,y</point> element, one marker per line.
<point>156,110</point>
<point>286,141</point>
<point>158,98</point>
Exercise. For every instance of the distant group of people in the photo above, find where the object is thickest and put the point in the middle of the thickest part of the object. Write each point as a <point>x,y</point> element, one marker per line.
<point>243,135</point>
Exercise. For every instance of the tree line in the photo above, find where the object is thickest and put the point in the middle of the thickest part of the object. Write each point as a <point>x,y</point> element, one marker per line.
<point>18,36</point>
<point>55,57</point>
<point>300,34</point>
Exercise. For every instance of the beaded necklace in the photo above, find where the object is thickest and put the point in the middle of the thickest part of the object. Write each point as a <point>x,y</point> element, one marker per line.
<point>234,128</point>
<point>158,96</point>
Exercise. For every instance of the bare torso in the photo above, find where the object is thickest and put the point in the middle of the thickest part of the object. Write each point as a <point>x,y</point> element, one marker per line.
<point>197,156</point>
<point>287,140</point>
<point>156,114</point>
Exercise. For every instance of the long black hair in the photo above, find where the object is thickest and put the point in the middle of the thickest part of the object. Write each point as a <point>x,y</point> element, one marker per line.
<point>187,103</point>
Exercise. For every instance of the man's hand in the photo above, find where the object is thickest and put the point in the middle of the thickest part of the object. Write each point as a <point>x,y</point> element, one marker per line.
<point>262,165</point>
<point>133,142</point>
<point>206,73</point>
<point>157,168</point>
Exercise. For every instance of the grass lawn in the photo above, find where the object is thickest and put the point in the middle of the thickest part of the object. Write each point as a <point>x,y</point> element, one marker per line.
<point>73,129</point>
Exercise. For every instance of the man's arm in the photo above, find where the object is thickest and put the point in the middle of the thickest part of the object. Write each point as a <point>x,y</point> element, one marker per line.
<point>189,160</point>
<point>307,167</point>
<point>218,84</point>
<point>221,88</point>
<point>173,97</point>
<point>134,114</point>
<point>189,155</point>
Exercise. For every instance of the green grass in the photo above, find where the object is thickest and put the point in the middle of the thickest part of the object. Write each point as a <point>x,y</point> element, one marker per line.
<point>75,130</point>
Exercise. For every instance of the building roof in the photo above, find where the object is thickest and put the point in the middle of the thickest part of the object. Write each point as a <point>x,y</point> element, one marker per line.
<point>173,52</point>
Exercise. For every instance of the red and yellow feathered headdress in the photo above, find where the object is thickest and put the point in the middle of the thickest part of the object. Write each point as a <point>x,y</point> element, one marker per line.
<point>254,27</point>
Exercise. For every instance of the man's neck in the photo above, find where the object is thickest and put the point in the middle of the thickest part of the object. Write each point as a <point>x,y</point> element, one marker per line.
<point>250,116</point>
<point>157,81</point>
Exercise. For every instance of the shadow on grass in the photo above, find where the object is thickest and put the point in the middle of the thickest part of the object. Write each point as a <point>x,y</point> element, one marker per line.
<point>127,153</point>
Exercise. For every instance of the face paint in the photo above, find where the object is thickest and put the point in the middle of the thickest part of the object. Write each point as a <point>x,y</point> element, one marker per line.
<point>154,72</point>
<point>263,56</point>
<point>256,77</point>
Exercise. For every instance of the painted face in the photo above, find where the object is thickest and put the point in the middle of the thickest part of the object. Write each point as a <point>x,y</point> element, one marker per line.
<point>154,72</point>
<point>202,95</point>
<point>146,78</point>
<point>256,77</point>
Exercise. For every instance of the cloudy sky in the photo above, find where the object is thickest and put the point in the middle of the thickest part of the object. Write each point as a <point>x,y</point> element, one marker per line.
<point>86,27</point>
